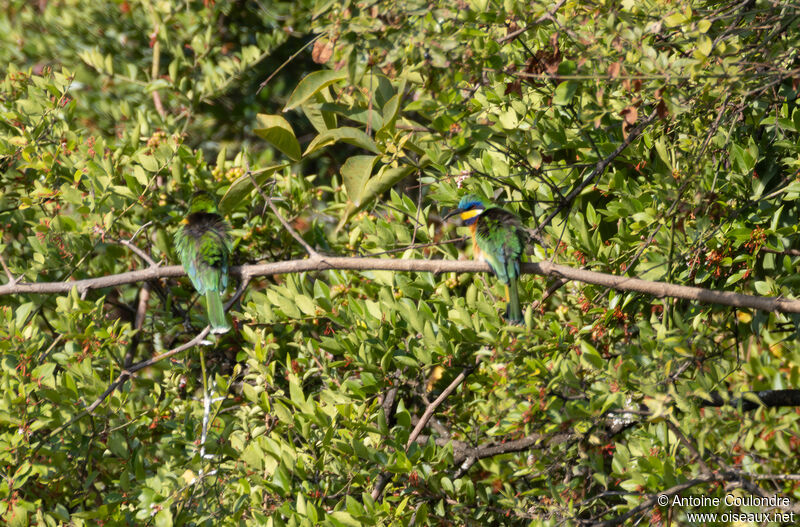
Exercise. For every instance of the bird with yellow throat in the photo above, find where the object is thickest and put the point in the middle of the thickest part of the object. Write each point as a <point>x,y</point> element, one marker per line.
<point>497,239</point>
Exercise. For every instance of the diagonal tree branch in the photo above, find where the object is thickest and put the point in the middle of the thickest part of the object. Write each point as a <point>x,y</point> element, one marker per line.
<point>599,168</point>
<point>383,479</point>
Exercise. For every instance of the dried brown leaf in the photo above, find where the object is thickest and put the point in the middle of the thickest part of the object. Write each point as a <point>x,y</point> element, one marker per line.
<point>630,114</point>
<point>322,52</point>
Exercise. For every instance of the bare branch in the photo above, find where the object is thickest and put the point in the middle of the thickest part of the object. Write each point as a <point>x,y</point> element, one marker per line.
<point>139,230</point>
<point>426,416</point>
<point>754,400</point>
<point>323,263</point>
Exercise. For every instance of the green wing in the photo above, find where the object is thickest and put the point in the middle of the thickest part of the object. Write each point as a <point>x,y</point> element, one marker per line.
<point>499,237</point>
<point>204,252</point>
<point>204,248</point>
<point>212,262</point>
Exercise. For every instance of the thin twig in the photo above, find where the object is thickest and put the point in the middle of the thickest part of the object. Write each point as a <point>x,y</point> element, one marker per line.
<point>652,500</point>
<point>140,253</point>
<point>287,61</point>
<point>599,168</point>
<point>11,279</point>
<point>384,477</point>
<point>139,230</point>
<point>124,375</point>
<point>558,284</point>
<point>419,246</point>
<point>50,348</point>
<point>688,444</point>
<point>310,250</point>
<point>546,16</point>
<point>426,416</point>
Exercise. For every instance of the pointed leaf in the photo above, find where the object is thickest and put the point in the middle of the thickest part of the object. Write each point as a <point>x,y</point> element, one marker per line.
<point>385,179</point>
<point>311,84</point>
<point>147,160</point>
<point>376,186</point>
<point>354,136</point>
<point>320,119</point>
<point>390,111</point>
<point>564,92</point>
<point>355,173</point>
<point>277,131</point>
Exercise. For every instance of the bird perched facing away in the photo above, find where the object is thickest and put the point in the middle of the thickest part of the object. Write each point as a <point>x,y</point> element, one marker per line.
<point>204,247</point>
<point>497,239</point>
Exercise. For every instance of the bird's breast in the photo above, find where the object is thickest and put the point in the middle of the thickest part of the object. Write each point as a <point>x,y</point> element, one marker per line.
<point>476,251</point>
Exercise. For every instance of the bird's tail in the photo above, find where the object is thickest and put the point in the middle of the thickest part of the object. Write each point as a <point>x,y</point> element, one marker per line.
<point>513,311</point>
<point>216,313</point>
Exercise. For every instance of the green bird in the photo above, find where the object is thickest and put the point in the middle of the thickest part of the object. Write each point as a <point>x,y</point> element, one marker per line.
<point>204,247</point>
<point>497,239</point>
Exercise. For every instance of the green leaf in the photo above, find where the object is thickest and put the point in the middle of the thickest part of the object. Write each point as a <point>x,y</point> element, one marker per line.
<point>704,45</point>
<point>164,518</point>
<point>390,111</point>
<point>312,84</point>
<point>282,480</point>
<point>277,131</point>
<point>321,120</point>
<point>117,445</point>
<point>355,174</point>
<point>564,92</point>
<point>376,186</point>
<point>346,134</point>
<point>675,19</point>
<point>148,161</point>
<point>296,394</point>
<point>305,304</point>
<point>21,316</point>
<point>343,518</point>
<point>360,115</point>
<point>762,288</point>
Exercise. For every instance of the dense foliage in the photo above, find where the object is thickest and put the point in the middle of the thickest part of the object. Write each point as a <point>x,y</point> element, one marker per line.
<point>656,139</point>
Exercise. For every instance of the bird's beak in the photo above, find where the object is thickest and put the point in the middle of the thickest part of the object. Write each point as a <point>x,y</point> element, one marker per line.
<point>452,213</point>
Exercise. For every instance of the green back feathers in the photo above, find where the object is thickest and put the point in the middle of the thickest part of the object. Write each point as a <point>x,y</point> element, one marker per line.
<point>204,246</point>
<point>499,236</point>
<point>500,241</point>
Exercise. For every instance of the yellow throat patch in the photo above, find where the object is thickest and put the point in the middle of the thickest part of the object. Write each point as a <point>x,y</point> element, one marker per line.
<point>469,214</point>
